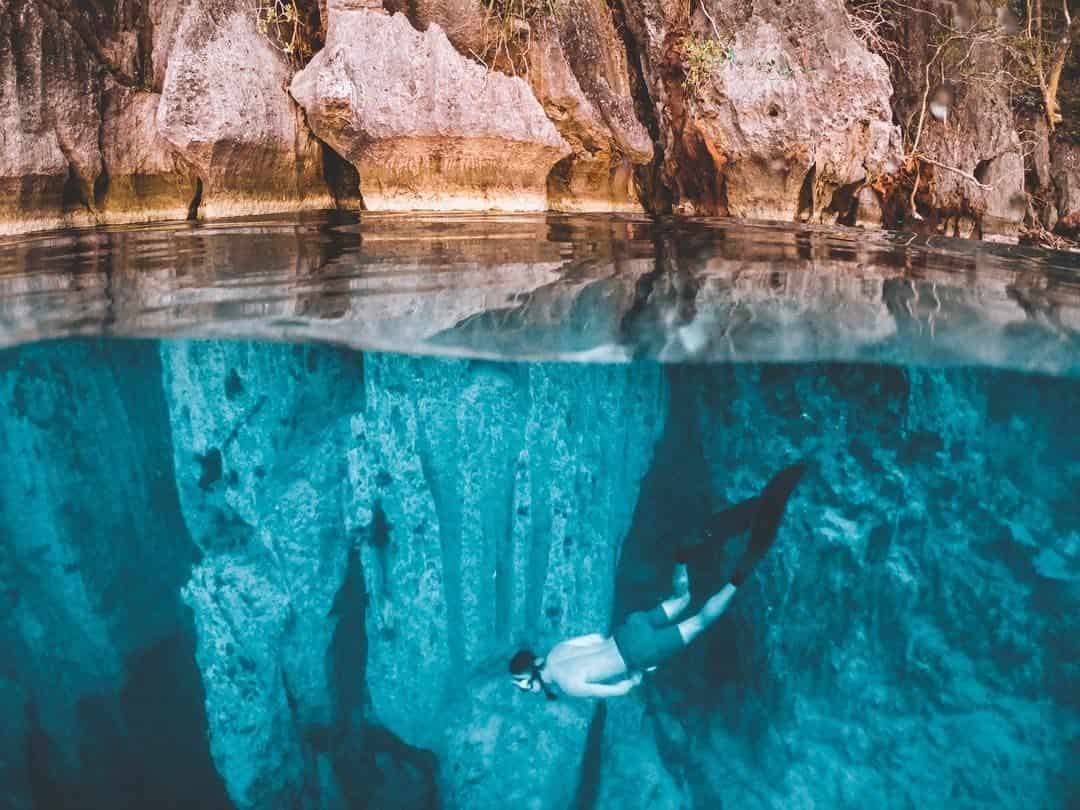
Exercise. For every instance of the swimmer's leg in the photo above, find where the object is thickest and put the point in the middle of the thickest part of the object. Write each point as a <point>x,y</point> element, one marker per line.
<point>772,503</point>
<point>691,628</point>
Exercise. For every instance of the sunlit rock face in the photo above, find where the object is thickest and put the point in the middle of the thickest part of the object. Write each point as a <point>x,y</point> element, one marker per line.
<point>486,527</point>
<point>784,116</point>
<point>425,127</point>
<point>223,111</point>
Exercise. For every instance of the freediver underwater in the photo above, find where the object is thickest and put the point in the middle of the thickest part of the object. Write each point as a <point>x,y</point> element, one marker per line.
<point>599,666</point>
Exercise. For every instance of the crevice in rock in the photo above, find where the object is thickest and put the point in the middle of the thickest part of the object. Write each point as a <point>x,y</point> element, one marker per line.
<point>654,193</point>
<point>588,791</point>
<point>844,203</point>
<point>448,509</point>
<point>806,195</point>
<point>196,200</point>
<point>341,177</point>
<point>373,768</point>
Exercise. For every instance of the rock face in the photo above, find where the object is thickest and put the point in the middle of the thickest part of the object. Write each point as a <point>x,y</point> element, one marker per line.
<point>160,110</point>
<point>971,182</point>
<point>766,114</point>
<point>579,70</point>
<point>223,110</point>
<point>49,85</point>
<point>98,648</point>
<point>425,472</point>
<point>425,127</point>
<point>259,472</point>
<point>1065,172</point>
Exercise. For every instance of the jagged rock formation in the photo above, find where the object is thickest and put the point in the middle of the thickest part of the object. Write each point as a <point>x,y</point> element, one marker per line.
<point>580,71</point>
<point>787,107</point>
<point>162,110</point>
<point>1065,172</point>
<point>972,181</point>
<point>425,127</point>
<point>223,111</point>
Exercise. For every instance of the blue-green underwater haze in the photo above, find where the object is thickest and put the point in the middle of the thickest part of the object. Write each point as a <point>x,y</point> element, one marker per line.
<point>243,574</point>
<point>279,497</point>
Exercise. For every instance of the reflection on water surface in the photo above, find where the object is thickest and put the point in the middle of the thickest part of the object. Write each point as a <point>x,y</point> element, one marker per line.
<point>556,287</point>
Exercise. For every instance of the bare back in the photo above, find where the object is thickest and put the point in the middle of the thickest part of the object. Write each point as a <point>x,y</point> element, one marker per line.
<point>575,664</point>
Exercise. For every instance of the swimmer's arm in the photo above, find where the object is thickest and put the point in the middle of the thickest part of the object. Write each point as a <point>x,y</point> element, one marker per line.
<point>605,690</point>
<point>585,641</point>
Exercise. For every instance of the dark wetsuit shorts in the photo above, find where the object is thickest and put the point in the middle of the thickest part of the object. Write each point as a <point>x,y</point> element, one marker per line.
<point>647,639</point>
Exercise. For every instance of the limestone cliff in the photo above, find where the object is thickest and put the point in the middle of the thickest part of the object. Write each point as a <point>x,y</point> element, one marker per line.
<point>149,110</point>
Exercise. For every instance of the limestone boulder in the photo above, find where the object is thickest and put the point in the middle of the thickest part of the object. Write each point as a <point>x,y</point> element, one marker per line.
<point>425,127</point>
<point>224,110</point>
<point>776,114</point>
<point>576,63</point>
<point>144,180</point>
<point>49,119</point>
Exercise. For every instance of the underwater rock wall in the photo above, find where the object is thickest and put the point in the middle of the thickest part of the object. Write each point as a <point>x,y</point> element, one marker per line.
<point>309,567</point>
<point>471,495</point>
<point>493,500</point>
<point>909,640</point>
<point>92,557</point>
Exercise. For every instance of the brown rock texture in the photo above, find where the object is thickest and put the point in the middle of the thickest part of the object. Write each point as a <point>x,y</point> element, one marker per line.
<point>577,65</point>
<point>146,180</point>
<point>970,172</point>
<point>224,112</point>
<point>578,69</point>
<point>786,109</point>
<point>425,127</point>
<point>49,119</point>
<point>1065,171</point>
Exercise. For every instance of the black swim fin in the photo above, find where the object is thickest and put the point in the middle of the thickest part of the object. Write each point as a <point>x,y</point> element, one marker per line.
<point>705,559</point>
<point>772,503</point>
<point>720,527</point>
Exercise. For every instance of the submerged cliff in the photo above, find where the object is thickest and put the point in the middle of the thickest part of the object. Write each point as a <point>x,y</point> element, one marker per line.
<point>265,575</point>
<point>140,110</point>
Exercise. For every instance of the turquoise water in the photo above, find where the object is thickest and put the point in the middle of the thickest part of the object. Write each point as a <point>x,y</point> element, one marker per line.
<point>243,573</point>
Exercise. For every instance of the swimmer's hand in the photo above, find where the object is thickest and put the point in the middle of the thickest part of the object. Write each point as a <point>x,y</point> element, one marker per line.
<point>637,678</point>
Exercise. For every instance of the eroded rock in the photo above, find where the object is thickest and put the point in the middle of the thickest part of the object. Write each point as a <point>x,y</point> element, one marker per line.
<point>765,115</point>
<point>49,85</point>
<point>425,127</point>
<point>145,179</point>
<point>224,111</point>
<point>456,586</point>
<point>1065,171</point>
<point>259,467</point>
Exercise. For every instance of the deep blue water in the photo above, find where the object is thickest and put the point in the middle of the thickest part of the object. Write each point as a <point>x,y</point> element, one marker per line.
<point>250,573</point>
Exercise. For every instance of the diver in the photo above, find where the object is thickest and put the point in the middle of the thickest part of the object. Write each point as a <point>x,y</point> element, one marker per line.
<point>598,666</point>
